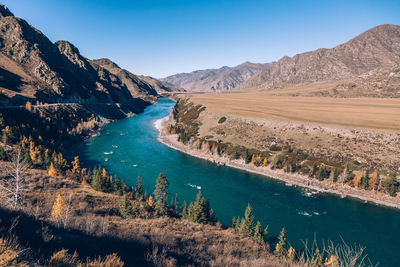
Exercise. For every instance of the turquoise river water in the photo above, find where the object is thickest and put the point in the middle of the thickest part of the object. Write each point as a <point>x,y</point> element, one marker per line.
<point>129,148</point>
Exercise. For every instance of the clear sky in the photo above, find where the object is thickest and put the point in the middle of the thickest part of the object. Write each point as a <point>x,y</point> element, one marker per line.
<point>165,37</point>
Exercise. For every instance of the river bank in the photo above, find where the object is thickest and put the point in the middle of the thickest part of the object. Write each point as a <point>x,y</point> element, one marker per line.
<point>289,178</point>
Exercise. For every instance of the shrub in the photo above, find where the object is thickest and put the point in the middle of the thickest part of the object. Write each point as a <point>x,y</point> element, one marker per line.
<point>222,120</point>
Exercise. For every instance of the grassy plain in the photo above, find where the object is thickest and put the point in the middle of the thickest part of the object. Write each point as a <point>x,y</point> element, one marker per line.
<point>375,113</point>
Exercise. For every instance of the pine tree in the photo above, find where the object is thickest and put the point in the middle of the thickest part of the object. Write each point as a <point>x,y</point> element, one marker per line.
<point>139,188</point>
<point>237,225</point>
<point>52,171</point>
<point>97,181</point>
<point>184,210</point>
<point>280,248</point>
<point>161,195</point>
<point>200,209</point>
<point>233,225</point>
<point>258,234</point>
<point>58,209</point>
<point>247,224</point>
<point>365,180</point>
<point>126,207</point>
<point>175,205</point>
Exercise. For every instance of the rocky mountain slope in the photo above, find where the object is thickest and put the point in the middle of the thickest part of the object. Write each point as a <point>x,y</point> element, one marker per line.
<point>138,86</point>
<point>215,80</point>
<point>375,49</point>
<point>35,69</point>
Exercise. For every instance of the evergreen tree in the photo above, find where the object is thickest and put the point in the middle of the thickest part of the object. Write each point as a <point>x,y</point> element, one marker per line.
<point>212,218</point>
<point>161,195</point>
<point>247,224</point>
<point>97,181</point>
<point>237,225</point>
<point>200,209</point>
<point>365,180</point>
<point>336,175</point>
<point>233,222</point>
<point>258,234</point>
<point>391,185</point>
<point>184,210</point>
<point>139,188</point>
<point>190,211</point>
<point>175,205</point>
<point>280,248</point>
<point>126,207</point>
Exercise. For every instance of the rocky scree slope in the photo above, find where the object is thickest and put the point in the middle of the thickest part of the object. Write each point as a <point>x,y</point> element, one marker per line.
<point>375,49</point>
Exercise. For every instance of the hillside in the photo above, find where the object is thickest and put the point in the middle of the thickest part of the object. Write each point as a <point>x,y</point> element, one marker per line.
<point>215,80</point>
<point>34,69</point>
<point>374,51</point>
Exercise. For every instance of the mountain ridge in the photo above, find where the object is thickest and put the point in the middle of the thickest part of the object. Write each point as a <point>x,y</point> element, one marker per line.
<point>376,48</point>
<point>215,80</point>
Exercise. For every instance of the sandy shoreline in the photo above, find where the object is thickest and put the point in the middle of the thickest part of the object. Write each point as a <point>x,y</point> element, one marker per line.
<point>289,179</point>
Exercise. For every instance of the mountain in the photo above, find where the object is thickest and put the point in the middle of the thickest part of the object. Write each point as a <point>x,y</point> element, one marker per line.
<point>215,80</point>
<point>35,69</point>
<point>377,48</point>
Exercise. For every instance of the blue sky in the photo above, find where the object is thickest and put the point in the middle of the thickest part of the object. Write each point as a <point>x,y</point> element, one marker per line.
<point>161,38</point>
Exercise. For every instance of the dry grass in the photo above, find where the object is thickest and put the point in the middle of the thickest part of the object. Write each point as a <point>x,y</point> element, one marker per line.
<point>375,113</point>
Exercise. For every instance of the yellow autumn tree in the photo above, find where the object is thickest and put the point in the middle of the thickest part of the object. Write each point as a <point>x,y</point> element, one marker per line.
<point>150,202</point>
<point>291,254</point>
<point>75,165</point>
<point>52,171</point>
<point>373,180</point>
<point>33,151</point>
<point>253,159</point>
<point>104,173</point>
<point>28,106</point>
<point>332,261</point>
<point>58,209</point>
<point>357,179</point>
<point>265,162</point>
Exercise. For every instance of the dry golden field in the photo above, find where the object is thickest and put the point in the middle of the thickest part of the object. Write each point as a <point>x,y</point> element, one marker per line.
<point>375,113</point>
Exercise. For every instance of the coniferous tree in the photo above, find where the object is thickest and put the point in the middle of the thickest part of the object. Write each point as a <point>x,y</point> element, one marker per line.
<point>212,218</point>
<point>97,181</point>
<point>247,224</point>
<point>280,248</point>
<point>139,188</point>
<point>336,175</point>
<point>200,209</point>
<point>365,180</point>
<point>184,210</point>
<point>237,226</point>
<point>126,207</point>
<point>258,234</point>
<point>161,195</point>
<point>233,222</point>
<point>175,205</point>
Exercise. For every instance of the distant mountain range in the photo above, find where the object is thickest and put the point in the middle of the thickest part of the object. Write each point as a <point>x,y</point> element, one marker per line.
<point>33,68</point>
<point>373,55</point>
<point>215,80</point>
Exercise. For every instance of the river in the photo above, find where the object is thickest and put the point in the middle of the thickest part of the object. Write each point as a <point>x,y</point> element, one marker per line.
<point>129,148</point>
